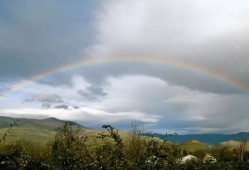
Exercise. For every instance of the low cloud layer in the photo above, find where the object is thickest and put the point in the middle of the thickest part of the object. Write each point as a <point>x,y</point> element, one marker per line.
<point>128,98</point>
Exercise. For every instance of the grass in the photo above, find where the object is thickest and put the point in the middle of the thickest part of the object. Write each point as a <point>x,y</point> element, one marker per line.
<point>41,136</point>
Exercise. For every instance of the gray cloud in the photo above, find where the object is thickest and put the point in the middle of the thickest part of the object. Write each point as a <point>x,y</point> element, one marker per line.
<point>179,108</point>
<point>46,105</point>
<point>212,35</point>
<point>3,88</point>
<point>76,107</point>
<point>45,99</point>
<point>211,111</point>
<point>160,105</point>
<point>92,92</point>
<point>36,36</point>
<point>61,107</point>
<point>185,31</point>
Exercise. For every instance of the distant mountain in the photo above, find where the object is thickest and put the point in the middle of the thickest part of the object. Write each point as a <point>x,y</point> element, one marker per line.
<point>47,124</point>
<point>205,138</point>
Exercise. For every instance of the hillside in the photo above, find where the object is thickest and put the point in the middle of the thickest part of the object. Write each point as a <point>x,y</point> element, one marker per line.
<point>48,123</point>
<point>35,130</point>
<point>41,136</point>
<point>41,130</point>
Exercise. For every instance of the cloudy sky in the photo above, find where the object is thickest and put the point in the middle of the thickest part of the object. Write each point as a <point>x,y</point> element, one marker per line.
<point>205,89</point>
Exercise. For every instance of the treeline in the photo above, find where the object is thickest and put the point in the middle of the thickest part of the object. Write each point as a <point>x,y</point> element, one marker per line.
<point>73,150</point>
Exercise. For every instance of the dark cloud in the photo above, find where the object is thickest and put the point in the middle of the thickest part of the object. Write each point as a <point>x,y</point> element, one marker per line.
<point>92,92</point>
<point>61,107</point>
<point>76,107</point>
<point>66,107</point>
<point>46,105</point>
<point>36,36</point>
<point>45,99</point>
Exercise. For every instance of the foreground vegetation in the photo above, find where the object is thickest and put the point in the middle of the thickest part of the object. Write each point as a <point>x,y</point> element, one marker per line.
<point>71,149</point>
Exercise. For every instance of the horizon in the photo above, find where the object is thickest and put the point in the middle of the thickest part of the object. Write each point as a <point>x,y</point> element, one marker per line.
<point>173,66</point>
<point>145,131</point>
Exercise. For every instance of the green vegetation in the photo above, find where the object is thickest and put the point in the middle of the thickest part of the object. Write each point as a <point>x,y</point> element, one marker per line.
<point>193,145</point>
<point>40,136</point>
<point>71,147</point>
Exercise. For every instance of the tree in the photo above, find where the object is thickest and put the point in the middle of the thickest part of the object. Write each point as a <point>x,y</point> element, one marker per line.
<point>136,146</point>
<point>69,149</point>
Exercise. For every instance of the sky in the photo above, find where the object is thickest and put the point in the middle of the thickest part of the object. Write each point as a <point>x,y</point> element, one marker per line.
<point>174,66</point>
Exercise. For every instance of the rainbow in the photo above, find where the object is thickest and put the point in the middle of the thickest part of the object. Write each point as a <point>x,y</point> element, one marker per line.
<point>148,60</point>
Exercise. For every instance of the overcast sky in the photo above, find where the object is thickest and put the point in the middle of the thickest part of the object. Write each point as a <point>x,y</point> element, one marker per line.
<point>36,36</point>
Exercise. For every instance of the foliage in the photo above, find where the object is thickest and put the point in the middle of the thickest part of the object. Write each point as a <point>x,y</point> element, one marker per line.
<point>200,154</point>
<point>23,155</point>
<point>71,149</point>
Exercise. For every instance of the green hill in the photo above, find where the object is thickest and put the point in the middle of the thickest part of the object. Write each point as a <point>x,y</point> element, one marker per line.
<point>41,130</point>
<point>34,130</point>
<point>41,136</point>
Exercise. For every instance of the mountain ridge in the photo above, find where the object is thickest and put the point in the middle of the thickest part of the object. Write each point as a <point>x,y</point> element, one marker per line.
<point>50,123</point>
<point>211,139</point>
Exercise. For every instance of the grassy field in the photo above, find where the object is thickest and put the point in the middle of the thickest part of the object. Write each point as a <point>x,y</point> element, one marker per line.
<point>41,136</point>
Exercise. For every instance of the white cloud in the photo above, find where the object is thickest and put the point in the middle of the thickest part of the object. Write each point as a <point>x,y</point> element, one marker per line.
<point>81,114</point>
<point>165,26</point>
<point>133,92</point>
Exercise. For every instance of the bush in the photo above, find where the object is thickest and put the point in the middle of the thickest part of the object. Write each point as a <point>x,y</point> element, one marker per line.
<point>71,150</point>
